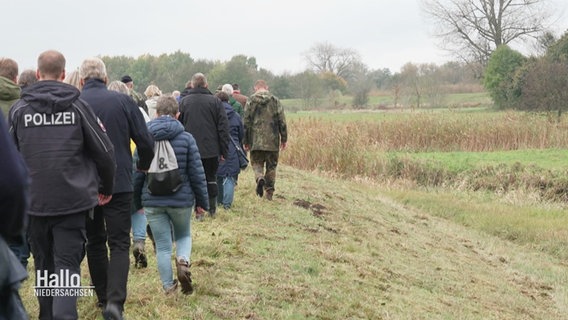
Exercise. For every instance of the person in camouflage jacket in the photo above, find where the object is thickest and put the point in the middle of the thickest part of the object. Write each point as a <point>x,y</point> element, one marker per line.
<point>265,134</point>
<point>137,97</point>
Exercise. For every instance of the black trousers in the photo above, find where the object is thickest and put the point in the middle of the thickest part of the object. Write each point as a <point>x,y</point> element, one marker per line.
<point>210,166</point>
<point>58,243</point>
<point>110,224</point>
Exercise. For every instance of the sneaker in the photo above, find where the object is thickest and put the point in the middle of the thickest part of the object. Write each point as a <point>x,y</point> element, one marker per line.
<point>172,289</point>
<point>260,187</point>
<point>184,276</point>
<point>140,260</point>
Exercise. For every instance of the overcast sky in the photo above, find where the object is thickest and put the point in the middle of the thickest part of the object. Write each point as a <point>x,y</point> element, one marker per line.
<point>387,33</point>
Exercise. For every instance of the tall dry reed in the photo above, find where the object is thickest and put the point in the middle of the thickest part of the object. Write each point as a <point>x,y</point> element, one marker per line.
<point>366,148</point>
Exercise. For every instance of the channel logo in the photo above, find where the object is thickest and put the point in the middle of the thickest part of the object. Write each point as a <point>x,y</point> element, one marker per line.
<point>62,284</point>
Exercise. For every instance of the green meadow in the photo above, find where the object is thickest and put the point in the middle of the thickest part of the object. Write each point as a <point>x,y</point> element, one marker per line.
<point>456,213</point>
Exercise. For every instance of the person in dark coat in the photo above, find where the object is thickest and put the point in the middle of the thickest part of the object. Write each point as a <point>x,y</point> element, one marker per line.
<point>112,222</point>
<point>10,93</point>
<point>72,169</point>
<point>14,184</point>
<point>228,172</point>
<point>203,115</point>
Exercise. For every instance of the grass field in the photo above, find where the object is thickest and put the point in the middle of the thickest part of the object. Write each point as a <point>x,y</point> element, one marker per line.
<point>429,214</point>
<point>333,249</point>
<point>385,100</point>
<point>548,159</point>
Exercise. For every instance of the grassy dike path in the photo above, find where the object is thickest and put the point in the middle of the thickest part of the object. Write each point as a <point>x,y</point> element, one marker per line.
<point>334,249</point>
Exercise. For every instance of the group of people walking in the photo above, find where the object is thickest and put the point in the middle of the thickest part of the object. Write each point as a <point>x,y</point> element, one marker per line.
<point>80,156</point>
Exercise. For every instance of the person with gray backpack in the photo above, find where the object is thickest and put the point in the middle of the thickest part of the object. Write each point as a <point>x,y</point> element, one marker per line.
<point>174,183</point>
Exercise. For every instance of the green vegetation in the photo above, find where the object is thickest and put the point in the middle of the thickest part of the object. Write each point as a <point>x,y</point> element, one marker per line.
<point>335,249</point>
<point>384,100</point>
<point>453,213</point>
<point>549,159</point>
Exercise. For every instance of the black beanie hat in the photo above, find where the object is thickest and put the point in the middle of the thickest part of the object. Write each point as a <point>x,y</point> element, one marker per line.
<point>126,79</point>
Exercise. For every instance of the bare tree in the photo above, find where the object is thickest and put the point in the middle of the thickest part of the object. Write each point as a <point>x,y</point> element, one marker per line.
<point>473,29</point>
<point>420,85</point>
<point>325,57</point>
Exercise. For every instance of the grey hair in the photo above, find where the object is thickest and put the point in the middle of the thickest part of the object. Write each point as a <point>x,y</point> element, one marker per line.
<point>228,89</point>
<point>199,80</point>
<point>27,77</point>
<point>167,106</point>
<point>93,68</point>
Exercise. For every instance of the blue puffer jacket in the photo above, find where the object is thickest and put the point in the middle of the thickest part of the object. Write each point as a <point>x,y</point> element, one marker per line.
<point>230,167</point>
<point>194,188</point>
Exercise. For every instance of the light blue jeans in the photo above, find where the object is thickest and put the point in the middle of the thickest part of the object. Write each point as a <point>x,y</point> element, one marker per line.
<point>139,223</point>
<point>226,193</point>
<point>162,220</point>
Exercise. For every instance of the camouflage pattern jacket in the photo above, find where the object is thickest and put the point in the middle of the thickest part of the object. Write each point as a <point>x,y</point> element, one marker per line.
<point>265,122</point>
<point>139,99</point>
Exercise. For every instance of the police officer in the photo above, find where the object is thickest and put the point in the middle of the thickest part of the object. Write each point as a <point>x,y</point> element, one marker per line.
<point>71,164</point>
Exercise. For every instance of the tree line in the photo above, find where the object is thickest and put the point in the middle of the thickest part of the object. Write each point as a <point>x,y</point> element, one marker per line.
<point>479,33</point>
<point>331,73</point>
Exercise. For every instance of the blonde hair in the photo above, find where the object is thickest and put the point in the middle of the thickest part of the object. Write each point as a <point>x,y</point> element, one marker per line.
<point>152,91</point>
<point>118,86</point>
<point>73,79</point>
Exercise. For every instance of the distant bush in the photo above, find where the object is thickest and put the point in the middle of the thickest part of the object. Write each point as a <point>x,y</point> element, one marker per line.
<point>500,74</point>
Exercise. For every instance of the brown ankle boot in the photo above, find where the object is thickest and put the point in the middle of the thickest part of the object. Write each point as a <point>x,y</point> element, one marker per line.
<point>184,276</point>
<point>269,194</point>
<point>139,254</point>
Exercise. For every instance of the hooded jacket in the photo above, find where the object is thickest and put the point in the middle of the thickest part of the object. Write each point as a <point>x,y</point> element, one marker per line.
<point>9,93</point>
<point>194,186</point>
<point>265,122</point>
<point>69,156</point>
<point>202,114</point>
<point>123,121</point>
<point>230,167</point>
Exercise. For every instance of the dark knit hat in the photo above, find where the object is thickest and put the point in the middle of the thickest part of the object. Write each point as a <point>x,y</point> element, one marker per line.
<point>126,79</point>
